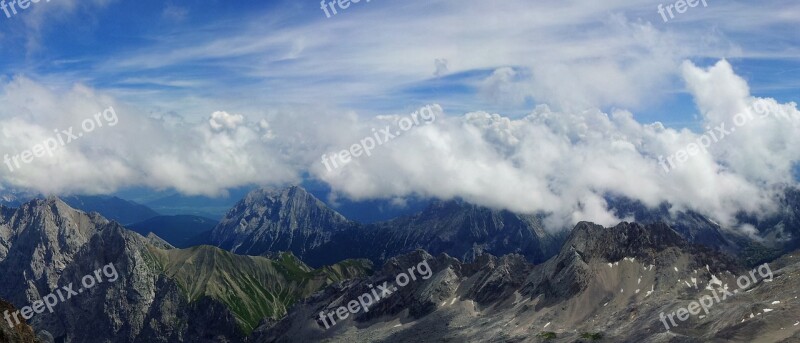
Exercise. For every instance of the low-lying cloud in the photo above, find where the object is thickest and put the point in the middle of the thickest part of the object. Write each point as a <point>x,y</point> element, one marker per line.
<point>564,163</point>
<point>557,162</point>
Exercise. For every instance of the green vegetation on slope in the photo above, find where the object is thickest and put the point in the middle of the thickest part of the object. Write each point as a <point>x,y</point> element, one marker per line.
<point>252,287</point>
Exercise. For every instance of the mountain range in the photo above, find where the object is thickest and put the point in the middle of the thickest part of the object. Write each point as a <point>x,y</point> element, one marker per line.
<point>280,257</point>
<point>294,220</point>
<point>182,231</point>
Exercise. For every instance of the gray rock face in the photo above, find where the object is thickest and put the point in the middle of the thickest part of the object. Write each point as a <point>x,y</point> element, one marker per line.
<point>39,240</point>
<point>272,221</point>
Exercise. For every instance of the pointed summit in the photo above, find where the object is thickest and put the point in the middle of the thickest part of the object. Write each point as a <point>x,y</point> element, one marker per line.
<point>41,237</point>
<point>271,220</point>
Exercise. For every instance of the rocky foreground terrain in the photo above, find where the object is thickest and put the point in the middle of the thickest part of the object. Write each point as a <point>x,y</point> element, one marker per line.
<point>604,285</point>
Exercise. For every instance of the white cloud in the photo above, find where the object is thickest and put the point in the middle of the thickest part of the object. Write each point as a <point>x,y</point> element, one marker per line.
<point>558,162</point>
<point>563,163</point>
<point>221,120</point>
<point>572,55</point>
<point>158,152</point>
<point>561,158</point>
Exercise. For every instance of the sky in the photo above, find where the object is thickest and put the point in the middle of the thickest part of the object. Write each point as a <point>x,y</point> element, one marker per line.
<point>539,105</point>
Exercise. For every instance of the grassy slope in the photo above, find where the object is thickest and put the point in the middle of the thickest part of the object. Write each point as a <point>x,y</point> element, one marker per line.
<point>253,287</point>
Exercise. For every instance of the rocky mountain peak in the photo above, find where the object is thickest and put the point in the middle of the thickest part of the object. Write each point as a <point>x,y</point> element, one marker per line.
<point>289,219</point>
<point>40,237</point>
<point>275,201</point>
<point>592,241</point>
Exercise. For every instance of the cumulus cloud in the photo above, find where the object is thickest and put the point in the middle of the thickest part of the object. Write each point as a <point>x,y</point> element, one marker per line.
<point>159,152</point>
<point>559,162</point>
<point>221,120</point>
<point>565,163</point>
<point>505,87</point>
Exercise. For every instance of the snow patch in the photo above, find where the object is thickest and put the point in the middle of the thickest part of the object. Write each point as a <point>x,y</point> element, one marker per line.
<point>652,288</point>
<point>713,281</point>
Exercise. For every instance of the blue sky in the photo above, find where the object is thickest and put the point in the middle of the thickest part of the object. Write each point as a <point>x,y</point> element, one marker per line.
<point>187,56</point>
<point>546,105</point>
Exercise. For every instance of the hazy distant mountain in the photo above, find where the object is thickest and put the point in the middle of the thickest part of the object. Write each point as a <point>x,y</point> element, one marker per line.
<point>112,208</point>
<point>781,230</point>
<point>182,231</point>
<point>465,231</point>
<point>365,211</point>
<point>11,199</point>
<point>779,233</point>
<point>457,228</point>
<point>294,220</point>
<point>161,295</point>
<point>173,203</point>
